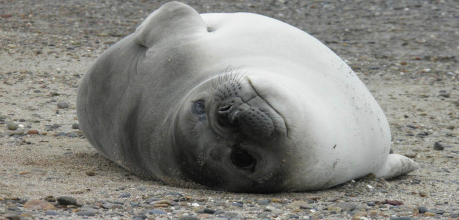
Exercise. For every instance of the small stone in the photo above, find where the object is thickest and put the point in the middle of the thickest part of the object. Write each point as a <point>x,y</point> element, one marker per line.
<point>66,200</point>
<point>11,216</point>
<point>125,195</point>
<point>238,204</point>
<point>90,173</point>
<point>50,199</point>
<point>107,205</point>
<point>189,217</point>
<point>209,211</point>
<point>50,212</point>
<point>86,213</point>
<point>117,206</point>
<point>263,202</point>
<point>75,126</point>
<point>39,204</point>
<point>157,212</point>
<point>62,105</point>
<point>18,132</point>
<point>12,126</point>
<point>296,204</point>
<point>400,218</point>
<point>422,209</point>
<point>32,132</point>
<point>306,207</point>
<point>444,93</point>
<point>451,127</point>
<point>346,206</point>
<point>73,134</point>
<point>60,134</point>
<point>438,146</point>
<point>7,133</point>
<point>429,214</point>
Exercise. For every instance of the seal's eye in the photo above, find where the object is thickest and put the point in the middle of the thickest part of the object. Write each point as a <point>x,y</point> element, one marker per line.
<point>242,159</point>
<point>199,109</point>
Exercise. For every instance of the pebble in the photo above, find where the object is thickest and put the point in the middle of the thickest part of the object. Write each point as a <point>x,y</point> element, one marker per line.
<point>59,134</point>
<point>75,126</point>
<point>62,105</point>
<point>400,218</point>
<point>66,200</point>
<point>39,204</point>
<point>238,204</point>
<point>438,146</point>
<point>11,216</point>
<point>125,195</point>
<point>50,212</point>
<point>157,212</point>
<point>7,133</point>
<point>422,209</point>
<point>346,206</point>
<point>190,217</point>
<point>12,126</point>
<point>86,213</point>
<point>18,132</point>
<point>32,132</point>
<point>263,202</point>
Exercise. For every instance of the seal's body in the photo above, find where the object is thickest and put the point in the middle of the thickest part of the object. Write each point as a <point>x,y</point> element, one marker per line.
<point>237,102</point>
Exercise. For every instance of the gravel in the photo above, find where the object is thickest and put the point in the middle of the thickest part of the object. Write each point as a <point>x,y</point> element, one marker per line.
<point>406,52</point>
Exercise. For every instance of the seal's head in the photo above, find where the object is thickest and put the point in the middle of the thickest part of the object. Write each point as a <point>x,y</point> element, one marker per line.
<point>228,137</point>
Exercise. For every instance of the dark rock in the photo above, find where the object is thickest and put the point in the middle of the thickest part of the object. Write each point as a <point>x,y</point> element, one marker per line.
<point>66,200</point>
<point>444,93</point>
<point>438,146</point>
<point>422,209</point>
<point>76,126</point>
<point>209,211</point>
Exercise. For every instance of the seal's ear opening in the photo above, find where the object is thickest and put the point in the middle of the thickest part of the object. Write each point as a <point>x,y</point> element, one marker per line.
<point>170,21</point>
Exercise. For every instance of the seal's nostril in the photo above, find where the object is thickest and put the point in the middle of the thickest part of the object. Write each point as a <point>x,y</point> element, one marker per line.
<point>225,108</point>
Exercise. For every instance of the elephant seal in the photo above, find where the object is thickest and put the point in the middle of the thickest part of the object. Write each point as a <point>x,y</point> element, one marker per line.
<point>236,102</point>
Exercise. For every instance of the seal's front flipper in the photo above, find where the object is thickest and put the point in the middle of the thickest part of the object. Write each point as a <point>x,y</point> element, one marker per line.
<point>396,165</point>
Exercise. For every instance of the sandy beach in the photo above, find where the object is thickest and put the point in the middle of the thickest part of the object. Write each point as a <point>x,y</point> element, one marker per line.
<point>406,53</point>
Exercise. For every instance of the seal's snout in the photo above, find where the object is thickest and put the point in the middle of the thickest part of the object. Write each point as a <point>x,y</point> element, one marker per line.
<point>244,111</point>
